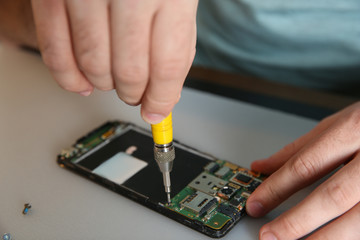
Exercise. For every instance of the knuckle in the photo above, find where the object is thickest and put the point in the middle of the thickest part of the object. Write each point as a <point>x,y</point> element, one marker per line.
<point>158,104</point>
<point>130,75</point>
<point>274,193</point>
<point>55,59</point>
<point>304,168</point>
<point>130,100</point>
<point>59,62</point>
<point>92,56</point>
<point>292,227</point>
<point>170,69</point>
<point>337,194</point>
<point>92,63</point>
<point>354,119</point>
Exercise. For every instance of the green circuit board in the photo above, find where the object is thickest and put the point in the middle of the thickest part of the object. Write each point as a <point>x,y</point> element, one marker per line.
<point>218,195</point>
<point>92,140</point>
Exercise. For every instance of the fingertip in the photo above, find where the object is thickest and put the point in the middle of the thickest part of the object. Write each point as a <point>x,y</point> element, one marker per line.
<point>85,93</point>
<point>74,82</point>
<point>154,112</point>
<point>255,165</point>
<point>255,208</point>
<point>259,166</point>
<point>266,166</point>
<point>153,118</point>
<point>267,235</point>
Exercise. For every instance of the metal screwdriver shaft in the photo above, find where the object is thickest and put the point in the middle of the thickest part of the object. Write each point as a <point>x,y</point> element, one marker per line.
<point>164,151</point>
<point>164,156</point>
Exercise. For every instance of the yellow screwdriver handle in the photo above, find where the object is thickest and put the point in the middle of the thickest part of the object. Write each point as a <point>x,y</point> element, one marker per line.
<point>163,132</point>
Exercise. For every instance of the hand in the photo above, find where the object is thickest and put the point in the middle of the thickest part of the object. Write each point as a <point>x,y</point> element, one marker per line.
<point>143,49</point>
<point>333,142</point>
<point>16,23</point>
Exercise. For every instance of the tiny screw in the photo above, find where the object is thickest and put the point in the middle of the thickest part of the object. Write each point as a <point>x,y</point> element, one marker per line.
<point>27,206</point>
<point>6,236</point>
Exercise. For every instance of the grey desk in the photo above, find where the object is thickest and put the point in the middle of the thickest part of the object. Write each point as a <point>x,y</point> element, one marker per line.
<point>38,119</point>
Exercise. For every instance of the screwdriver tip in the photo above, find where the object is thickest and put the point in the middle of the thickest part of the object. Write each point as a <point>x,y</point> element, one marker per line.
<point>168,198</point>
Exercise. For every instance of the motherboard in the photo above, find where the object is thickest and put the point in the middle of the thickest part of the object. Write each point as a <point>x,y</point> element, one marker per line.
<point>218,195</point>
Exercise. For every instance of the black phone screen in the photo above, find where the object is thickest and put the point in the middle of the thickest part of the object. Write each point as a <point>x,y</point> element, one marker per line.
<point>148,180</point>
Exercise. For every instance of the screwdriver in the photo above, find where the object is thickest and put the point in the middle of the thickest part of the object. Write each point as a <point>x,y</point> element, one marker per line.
<point>164,151</point>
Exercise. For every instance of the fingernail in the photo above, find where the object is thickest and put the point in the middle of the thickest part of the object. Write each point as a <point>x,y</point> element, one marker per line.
<point>85,93</point>
<point>153,118</point>
<point>268,236</point>
<point>255,209</point>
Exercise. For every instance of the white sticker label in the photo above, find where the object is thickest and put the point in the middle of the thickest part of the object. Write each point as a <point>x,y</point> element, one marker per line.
<point>120,167</point>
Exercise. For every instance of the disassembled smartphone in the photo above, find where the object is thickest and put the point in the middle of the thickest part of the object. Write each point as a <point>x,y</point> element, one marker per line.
<point>209,194</point>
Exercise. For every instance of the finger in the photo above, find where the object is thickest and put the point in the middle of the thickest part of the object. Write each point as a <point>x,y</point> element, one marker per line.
<point>331,199</point>
<point>130,26</point>
<point>172,48</point>
<point>275,161</point>
<point>345,227</point>
<point>325,153</point>
<point>191,57</point>
<point>55,45</point>
<point>90,35</point>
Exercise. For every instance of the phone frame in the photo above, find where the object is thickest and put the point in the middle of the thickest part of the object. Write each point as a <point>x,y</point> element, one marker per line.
<point>140,198</point>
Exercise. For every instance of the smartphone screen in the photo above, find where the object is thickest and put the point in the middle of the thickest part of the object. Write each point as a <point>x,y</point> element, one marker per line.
<point>208,194</point>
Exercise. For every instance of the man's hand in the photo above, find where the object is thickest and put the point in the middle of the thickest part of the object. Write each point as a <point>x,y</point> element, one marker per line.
<point>335,141</point>
<point>143,49</point>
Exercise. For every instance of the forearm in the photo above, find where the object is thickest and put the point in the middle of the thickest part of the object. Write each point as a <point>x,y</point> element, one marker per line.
<point>17,23</point>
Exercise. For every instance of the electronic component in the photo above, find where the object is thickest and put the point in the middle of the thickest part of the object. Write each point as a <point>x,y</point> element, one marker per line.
<point>238,201</point>
<point>245,194</point>
<point>227,192</point>
<point>70,152</point>
<point>231,166</point>
<point>241,179</point>
<point>233,185</point>
<point>108,133</point>
<point>249,172</point>
<point>229,211</point>
<point>199,203</point>
<point>208,183</point>
<point>254,184</point>
<point>222,172</point>
<point>211,167</point>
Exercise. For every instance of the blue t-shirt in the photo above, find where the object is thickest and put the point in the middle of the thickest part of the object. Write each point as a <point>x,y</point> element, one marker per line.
<point>310,43</point>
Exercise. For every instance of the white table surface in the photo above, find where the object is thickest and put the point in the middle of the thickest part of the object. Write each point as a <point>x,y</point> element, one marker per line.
<point>38,119</point>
